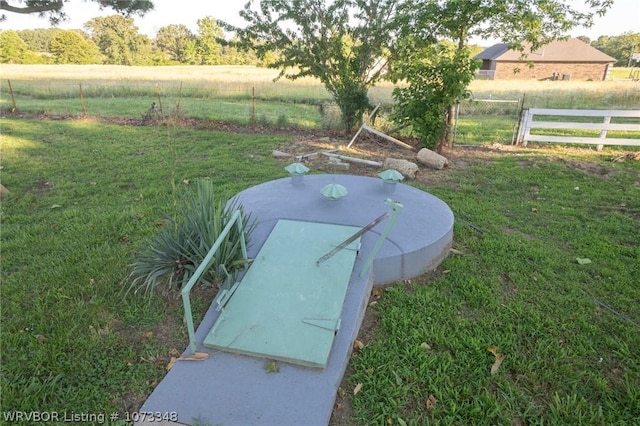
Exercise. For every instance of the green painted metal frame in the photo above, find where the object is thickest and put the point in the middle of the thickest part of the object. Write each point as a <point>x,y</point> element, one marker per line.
<point>236,219</point>
<point>397,208</point>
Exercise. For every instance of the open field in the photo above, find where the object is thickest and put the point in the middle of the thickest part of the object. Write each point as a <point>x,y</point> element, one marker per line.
<point>50,81</point>
<point>624,73</point>
<point>86,195</point>
<point>246,95</point>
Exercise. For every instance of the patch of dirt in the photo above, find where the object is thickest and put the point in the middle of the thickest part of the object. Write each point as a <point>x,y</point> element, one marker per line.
<point>590,168</point>
<point>43,185</point>
<point>308,148</point>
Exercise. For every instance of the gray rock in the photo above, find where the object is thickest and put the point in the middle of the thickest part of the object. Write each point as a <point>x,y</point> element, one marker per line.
<point>431,159</point>
<point>407,168</point>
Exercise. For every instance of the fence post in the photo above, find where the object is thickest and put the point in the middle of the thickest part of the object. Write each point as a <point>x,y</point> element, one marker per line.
<point>84,110</point>
<point>517,122</point>
<point>159,100</point>
<point>253,106</point>
<point>603,132</point>
<point>523,132</point>
<point>455,125</point>
<point>179,100</point>
<point>13,99</point>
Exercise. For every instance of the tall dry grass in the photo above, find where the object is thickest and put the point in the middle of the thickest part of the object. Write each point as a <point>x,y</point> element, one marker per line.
<point>562,94</point>
<point>206,81</point>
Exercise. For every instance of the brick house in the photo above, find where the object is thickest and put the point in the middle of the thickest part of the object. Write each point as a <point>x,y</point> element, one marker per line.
<point>570,59</point>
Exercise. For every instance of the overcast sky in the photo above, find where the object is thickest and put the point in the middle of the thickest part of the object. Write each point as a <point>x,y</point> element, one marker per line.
<point>623,16</point>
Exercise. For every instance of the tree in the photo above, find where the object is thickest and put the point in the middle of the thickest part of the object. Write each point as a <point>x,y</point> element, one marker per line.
<point>584,39</point>
<point>620,47</point>
<point>515,22</point>
<point>232,54</point>
<point>208,41</point>
<point>12,48</point>
<point>343,43</point>
<point>437,76</point>
<point>39,39</point>
<point>119,41</point>
<point>70,47</point>
<point>55,9</point>
<point>177,42</point>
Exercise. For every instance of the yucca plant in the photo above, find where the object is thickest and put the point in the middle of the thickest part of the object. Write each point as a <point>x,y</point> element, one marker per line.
<point>178,248</point>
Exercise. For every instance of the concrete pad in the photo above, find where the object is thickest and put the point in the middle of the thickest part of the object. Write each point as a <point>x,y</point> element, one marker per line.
<point>232,389</point>
<point>418,242</point>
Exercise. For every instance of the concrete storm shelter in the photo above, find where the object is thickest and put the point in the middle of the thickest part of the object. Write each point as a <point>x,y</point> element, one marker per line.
<point>301,302</point>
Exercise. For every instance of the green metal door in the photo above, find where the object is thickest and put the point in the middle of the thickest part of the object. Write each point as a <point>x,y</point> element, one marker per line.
<point>288,306</point>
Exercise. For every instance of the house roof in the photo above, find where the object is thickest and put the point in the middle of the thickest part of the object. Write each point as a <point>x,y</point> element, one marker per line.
<point>570,50</point>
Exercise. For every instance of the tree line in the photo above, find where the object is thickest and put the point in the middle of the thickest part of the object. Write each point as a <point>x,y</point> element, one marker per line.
<point>115,40</point>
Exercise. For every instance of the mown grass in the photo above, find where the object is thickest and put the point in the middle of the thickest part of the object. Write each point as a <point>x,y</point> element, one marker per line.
<point>84,197</point>
<point>486,129</point>
<point>517,286</point>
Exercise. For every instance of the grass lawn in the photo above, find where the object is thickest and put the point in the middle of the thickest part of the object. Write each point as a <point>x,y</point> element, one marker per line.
<point>523,220</point>
<point>85,196</point>
<point>485,129</point>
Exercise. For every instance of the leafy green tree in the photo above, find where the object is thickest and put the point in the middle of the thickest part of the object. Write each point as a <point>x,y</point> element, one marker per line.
<point>118,40</point>
<point>343,43</point>
<point>177,42</point>
<point>515,22</point>
<point>39,39</point>
<point>56,12</point>
<point>233,53</point>
<point>437,76</point>
<point>12,48</point>
<point>208,41</point>
<point>69,47</point>
<point>620,47</point>
<point>584,39</point>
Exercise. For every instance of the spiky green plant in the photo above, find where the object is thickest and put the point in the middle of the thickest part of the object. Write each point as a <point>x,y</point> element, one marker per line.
<point>177,249</point>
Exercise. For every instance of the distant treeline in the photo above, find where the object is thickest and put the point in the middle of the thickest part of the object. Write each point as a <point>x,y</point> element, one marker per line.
<point>115,40</point>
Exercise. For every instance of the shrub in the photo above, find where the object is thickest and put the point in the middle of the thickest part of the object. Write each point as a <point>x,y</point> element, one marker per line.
<point>178,248</point>
<point>437,79</point>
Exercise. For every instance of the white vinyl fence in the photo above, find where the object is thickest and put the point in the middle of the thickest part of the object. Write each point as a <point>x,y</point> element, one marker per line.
<point>528,123</point>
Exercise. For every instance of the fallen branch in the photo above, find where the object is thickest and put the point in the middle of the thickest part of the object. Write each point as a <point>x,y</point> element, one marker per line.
<point>353,139</point>
<point>628,156</point>
<point>387,137</point>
